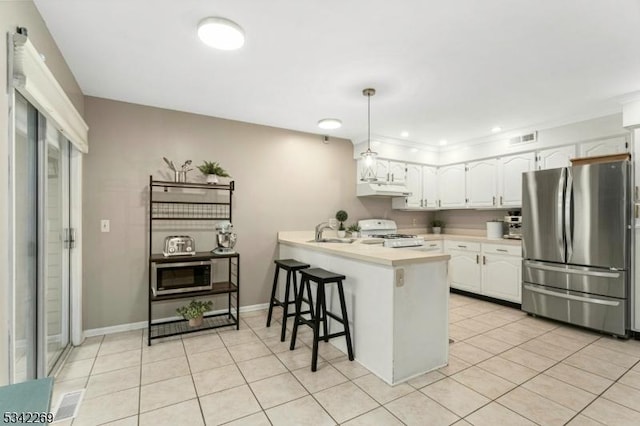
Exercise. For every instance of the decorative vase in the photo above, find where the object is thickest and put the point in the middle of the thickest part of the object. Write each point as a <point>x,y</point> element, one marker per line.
<point>354,234</point>
<point>436,229</point>
<point>341,234</point>
<point>212,179</point>
<point>195,322</point>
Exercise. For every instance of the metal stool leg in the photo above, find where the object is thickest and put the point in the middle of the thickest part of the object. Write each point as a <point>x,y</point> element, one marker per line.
<point>345,320</point>
<point>273,295</point>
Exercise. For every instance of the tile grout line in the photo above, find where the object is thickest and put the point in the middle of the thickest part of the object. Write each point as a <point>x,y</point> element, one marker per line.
<point>543,371</point>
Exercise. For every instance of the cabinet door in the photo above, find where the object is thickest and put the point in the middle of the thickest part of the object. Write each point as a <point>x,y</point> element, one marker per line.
<point>464,270</point>
<point>554,158</point>
<point>510,178</point>
<point>382,170</point>
<point>397,172</point>
<point>414,184</point>
<point>451,190</point>
<point>501,277</point>
<point>604,147</point>
<point>429,187</point>
<point>482,177</point>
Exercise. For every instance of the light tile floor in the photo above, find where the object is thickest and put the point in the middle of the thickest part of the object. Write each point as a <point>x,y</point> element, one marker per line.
<point>505,368</point>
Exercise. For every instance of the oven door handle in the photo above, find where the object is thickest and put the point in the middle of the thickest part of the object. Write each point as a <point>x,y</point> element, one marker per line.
<point>571,296</point>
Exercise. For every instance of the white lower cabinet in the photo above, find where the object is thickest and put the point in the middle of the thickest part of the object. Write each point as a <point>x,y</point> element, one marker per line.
<point>493,270</point>
<point>501,277</point>
<point>464,265</point>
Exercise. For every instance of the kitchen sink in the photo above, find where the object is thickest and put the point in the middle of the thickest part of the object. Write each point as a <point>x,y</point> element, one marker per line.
<point>334,240</point>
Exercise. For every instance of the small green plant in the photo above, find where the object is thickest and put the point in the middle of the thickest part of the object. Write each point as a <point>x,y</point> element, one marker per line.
<point>354,228</point>
<point>437,223</point>
<point>341,216</point>
<point>194,309</point>
<point>212,168</point>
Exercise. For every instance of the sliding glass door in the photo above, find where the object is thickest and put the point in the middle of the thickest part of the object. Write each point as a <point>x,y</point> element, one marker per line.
<point>41,244</point>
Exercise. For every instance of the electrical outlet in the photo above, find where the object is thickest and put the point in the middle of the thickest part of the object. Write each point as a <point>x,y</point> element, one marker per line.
<point>105,225</point>
<point>414,222</point>
<point>399,277</point>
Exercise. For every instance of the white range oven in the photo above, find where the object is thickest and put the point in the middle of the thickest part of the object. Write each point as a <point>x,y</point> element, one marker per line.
<point>385,232</point>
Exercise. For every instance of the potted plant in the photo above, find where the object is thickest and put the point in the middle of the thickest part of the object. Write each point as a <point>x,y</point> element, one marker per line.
<point>437,225</point>
<point>354,230</point>
<point>213,171</point>
<point>341,216</point>
<point>194,311</point>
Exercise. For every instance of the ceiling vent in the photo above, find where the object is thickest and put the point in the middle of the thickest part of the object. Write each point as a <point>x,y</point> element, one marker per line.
<point>522,139</point>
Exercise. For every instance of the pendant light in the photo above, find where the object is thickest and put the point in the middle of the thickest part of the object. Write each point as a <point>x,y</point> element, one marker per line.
<point>368,157</point>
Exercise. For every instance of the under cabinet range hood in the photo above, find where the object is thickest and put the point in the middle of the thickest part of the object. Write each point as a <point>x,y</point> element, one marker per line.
<point>381,189</point>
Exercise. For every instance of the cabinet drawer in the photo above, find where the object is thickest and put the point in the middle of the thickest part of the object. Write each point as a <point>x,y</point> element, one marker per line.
<point>432,245</point>
<point>502,249</point>
<point>461,245</point>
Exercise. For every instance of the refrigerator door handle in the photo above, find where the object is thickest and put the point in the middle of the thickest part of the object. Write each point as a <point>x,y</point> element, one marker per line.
<point>601,274</point>
<point>571,297</point>
<point>560,213</point>
<point>568,220</point>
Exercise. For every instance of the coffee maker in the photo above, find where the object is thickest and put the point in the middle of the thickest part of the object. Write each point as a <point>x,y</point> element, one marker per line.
<point>513,221</point>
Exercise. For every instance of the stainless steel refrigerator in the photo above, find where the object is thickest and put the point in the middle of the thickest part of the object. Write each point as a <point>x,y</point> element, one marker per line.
<point>576,231</point>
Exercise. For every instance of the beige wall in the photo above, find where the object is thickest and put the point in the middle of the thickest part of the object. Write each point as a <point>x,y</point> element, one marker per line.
<point>24,14</point>
<point>285,180</point>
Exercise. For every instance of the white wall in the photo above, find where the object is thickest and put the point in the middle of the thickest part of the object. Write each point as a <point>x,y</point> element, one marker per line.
<point>285,181</point>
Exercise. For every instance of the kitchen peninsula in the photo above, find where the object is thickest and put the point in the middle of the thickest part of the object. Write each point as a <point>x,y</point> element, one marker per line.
<point>397,300</point>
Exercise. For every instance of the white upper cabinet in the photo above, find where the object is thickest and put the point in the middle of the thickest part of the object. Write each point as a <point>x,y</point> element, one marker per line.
<point>482,177</point>
<point>382,170</point>
<point>554,158</point>
<point>451,186</point>
<point>421,181</point>
<point>414,185</point>
<point>429,187</point>
<point>510,178</point>
<point>397,172</point>
<point>604,147</point>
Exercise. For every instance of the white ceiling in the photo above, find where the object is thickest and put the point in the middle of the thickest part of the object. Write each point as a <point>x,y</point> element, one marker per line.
<point>442,69</point>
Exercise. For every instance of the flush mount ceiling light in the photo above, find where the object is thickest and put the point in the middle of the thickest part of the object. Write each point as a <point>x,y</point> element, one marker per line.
<point>404,134</point>
<point>496,129</point>
<point>369,157</point>
<point>443,142</point>
<point>221,33</point>
<point>329,123</point>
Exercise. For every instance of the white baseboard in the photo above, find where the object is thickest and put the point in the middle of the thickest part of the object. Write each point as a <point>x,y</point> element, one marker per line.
<point>143,324</point>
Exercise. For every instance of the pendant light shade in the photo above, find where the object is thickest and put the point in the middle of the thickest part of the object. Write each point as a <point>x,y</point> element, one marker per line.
<point>368,171</point>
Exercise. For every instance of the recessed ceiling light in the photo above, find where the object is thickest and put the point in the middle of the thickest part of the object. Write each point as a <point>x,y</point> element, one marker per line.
<point>221,33</point>
<point>443,142</point>
<point>414,149</point>
<point>404,134</point>
<point>496,129</point>
<point>329,123</point>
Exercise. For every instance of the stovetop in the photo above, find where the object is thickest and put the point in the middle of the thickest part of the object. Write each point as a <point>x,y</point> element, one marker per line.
<point>392,236</point>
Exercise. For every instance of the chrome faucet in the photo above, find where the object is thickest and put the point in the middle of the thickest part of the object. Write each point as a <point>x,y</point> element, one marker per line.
<point>321,227</point>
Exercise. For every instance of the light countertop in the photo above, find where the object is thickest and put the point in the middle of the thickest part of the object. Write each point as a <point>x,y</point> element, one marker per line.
<point>476,238</point>
<point>373,253</point>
